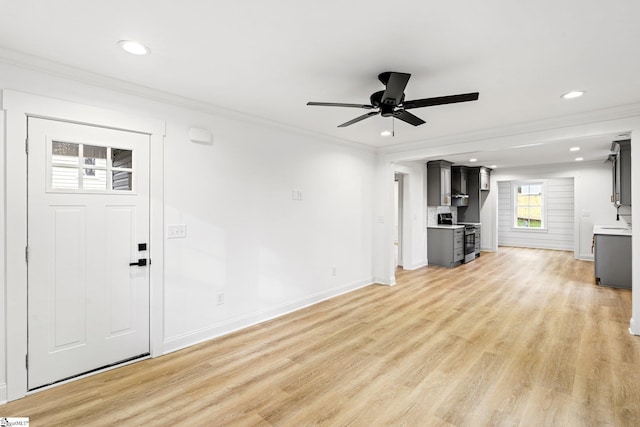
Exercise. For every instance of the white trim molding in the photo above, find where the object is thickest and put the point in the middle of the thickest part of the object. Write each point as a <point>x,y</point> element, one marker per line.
<point>17,107</point>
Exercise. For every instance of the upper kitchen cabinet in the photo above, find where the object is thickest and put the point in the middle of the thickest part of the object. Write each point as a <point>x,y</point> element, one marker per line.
<point>439,183</point>
<point>621,172</point>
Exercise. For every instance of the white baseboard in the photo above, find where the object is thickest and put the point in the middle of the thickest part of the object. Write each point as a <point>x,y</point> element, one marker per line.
<point>415,266</point>
<point>386,282</point>
<point>214,331</point>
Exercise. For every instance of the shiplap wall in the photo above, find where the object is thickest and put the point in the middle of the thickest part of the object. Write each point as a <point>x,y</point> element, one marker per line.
<point>560,217</point>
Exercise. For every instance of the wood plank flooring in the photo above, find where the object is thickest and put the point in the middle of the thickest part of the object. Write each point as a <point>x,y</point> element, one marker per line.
<point>522,337</point>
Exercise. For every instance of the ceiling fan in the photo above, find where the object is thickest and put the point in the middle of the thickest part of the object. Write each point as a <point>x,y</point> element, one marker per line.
<point>390,102</point>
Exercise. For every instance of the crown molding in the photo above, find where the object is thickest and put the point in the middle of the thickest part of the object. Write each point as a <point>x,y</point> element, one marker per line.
<point>594,116</point>
<point>39,64</point>
<point>57,69</point>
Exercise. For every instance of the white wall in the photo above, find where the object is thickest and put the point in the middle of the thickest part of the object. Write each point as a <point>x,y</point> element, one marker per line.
<point>246,237</point>
<point>592,190</point>
<point>559,208</point>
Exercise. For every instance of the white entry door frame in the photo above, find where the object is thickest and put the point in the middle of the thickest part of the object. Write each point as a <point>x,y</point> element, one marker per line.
<point>18,107</point>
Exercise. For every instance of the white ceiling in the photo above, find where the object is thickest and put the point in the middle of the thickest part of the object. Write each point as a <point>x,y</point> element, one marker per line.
<point>266,59</point>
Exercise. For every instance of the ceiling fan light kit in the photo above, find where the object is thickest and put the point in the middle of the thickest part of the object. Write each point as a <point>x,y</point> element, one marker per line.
<point>391,103</point>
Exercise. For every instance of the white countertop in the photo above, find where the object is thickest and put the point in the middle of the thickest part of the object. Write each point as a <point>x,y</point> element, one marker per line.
<point>448,227</point>
<point>613,230</point>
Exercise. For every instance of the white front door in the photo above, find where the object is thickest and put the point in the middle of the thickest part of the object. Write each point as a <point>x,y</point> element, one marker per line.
<point>88,220</point>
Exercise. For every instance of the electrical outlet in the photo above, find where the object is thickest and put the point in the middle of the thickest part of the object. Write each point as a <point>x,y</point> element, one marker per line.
<point>220,299</point>
<point>176,231</point>
<point>296,195</point>
<point>334,272</point>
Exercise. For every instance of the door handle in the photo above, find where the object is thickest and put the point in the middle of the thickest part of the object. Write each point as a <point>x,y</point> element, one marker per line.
<point>140,263</point>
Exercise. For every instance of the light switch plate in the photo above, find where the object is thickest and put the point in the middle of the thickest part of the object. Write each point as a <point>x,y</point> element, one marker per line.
<point>176,231</point>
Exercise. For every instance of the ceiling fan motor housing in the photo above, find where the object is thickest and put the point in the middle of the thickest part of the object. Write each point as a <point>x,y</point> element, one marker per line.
<point>387,106</point>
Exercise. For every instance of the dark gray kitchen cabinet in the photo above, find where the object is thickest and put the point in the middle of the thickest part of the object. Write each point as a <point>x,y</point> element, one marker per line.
<point>612,260</point>
<point>445,246</point>
<point>621,172</point>
<point>439,183</point>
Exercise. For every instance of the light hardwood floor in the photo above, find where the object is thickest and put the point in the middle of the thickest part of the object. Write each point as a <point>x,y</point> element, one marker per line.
<point>522,337</point>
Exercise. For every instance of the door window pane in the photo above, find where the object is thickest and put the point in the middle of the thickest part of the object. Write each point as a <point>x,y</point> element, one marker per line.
<point>95,156</point>
<point>94,179</point>
<point>121,181</point>
<point>64,178</point>
<point>65,153</point>
<point>121,158</point>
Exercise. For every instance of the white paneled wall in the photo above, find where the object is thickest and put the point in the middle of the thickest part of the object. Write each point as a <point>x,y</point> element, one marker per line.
<point>559,232</point>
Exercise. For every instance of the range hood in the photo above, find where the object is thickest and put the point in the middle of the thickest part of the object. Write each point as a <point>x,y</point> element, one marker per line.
<point>460,200</point>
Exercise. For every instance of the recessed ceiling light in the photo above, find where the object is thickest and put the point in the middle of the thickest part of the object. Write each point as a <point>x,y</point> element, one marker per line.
<point>574,149</point>
<point>473,160</point>
<point>579,159</point>
<point>134,47</point>
<point>385,133</point>
<point>573,94</point>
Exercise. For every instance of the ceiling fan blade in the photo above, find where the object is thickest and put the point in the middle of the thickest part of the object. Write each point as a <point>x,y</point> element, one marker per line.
<point>339,104</point>
<point>428,102</point>
<point>406,116</point>
<point>395,88</point>
<point>360,118</point>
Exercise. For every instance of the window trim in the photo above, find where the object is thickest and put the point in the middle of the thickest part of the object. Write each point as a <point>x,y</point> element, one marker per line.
<point>514,205</point>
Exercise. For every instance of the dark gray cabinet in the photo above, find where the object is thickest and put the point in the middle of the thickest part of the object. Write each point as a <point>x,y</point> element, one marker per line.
<point>621,173</point>
<point>439,183</point>
<point>445,246</point>
<point>612,260</point>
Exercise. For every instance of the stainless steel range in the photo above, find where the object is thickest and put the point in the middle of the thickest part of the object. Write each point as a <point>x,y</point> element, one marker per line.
<point>471,240</point>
